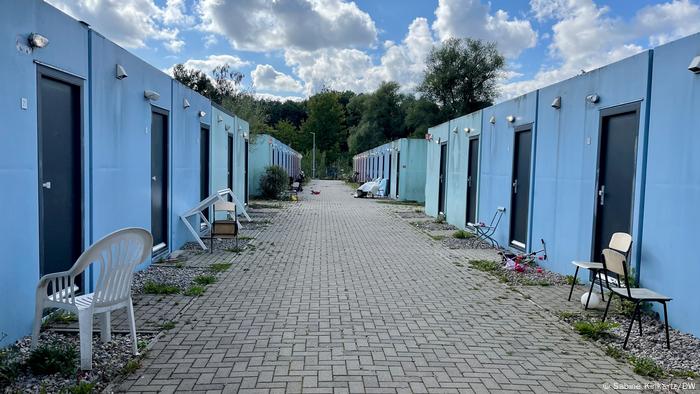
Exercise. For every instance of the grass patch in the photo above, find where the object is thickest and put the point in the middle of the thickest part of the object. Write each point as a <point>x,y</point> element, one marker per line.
<point>440,219</point>
<point>594,330</point>
<point>219,267</point>
<point>462,234</point>
<point>686,374</point>
<point>647,367</point>
<point>397,202</point>
<point>194,291</point>
<point>615,353</point>
<point>130,367</point>
<point>10,366</point>
<point>179,265</point>
<point>83,387</point>
<point>205,280</point>
<point>235,249</point>
<point>152,287</point>
<point>60,317</point>
<point>437,237</point>
<point>565,315</point>
<point>245,238</point>
<point>570,280</point>
<point>485,265</point>
<point>48,359</point>
<point>532,282</point>
<point>168,325</point>
<point>418,210</point>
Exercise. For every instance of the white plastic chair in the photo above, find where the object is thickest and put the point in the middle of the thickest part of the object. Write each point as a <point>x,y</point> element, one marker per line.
<point>114,257</point>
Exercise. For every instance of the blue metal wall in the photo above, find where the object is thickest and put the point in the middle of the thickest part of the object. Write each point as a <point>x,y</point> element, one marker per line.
<point>265,151</point>
<point>496,163</point>
<point>440,134</point>
<point>116,144</point>
<point>186,126</point>
<point>413,166</point>
<point>19,182</point>
<point>457,164</point>
<point>669,262</point>
<point>566,148</point>
<point>121,138</point>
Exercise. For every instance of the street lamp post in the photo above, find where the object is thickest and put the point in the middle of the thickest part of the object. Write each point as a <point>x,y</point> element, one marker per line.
<point>313,158</point>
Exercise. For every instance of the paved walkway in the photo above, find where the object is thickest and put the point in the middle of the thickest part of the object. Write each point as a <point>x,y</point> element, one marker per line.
<point>342,296</point>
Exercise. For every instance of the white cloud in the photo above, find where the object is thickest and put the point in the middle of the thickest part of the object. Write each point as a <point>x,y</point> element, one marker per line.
<point>211,62</point>
<point>471,18</point>
<point>176,14</point>
<point>585,37</point>
<point>263,25</point>
<point>272,97</point>
<point>353,69</point>
<point>175,46</point>
<point>668,21</point>
<point>265,77</point>
<point>129,23</point>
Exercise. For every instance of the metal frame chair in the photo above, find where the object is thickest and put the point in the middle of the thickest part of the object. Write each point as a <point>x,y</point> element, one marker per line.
<point>615,263</point>
<point>484,232</point>
<point>621,242</point>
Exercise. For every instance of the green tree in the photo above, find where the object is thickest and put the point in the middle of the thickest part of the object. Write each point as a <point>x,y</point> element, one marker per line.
<point>326,119</point>
<point>421,114</point>
<point>224,83</point>
<point>461,75</point>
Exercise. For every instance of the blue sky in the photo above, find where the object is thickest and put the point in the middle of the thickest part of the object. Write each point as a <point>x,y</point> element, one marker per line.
<point>292,48</point>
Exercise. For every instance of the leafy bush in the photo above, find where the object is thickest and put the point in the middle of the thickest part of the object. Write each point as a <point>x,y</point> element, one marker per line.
<point>461,234</point>
<point>152,287</point>
<point>10,366</point>
<point>273,182</point>
<point>570,279</point>
<point>48,359</point>
<point>80,388</point>
<point>594,330</point>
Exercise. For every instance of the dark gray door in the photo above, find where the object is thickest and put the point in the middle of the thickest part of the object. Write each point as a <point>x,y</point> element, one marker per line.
<point>388,181</point>
<point>442,179</point>
<point>398,171</point>
<point>616,168</point>
<point>520,188</point>
<point>229,162</point>
<point>60,168</point>
<point>204,165</point>
<point>245,173</point>
<point>159,180</point>
<point>472,179</point>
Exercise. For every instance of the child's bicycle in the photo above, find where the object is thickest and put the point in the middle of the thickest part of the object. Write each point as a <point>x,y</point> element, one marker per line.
<point>523,259</point>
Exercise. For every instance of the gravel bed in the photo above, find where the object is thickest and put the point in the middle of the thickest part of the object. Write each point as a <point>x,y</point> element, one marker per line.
<point>180,277</point>
<point>108,360</point>
<point>532,276</point>
<point>684,354</point>
<point>412,215</point>
<point>465,243</point>
<point>433,226</point>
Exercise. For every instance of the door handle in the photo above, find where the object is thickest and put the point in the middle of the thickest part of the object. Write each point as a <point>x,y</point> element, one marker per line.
<point>601,194</point>
<point>46,185</point>
<point>515,186</point>
<point>469,181</point>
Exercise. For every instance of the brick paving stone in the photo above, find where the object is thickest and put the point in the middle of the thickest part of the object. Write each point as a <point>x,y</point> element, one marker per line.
<point>342,295</point>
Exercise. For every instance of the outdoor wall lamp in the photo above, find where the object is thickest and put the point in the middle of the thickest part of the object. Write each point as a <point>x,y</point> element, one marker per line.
<point>557,102</point>
<point>185,103</point>
<point>121,72</point>
<point>151,95</point>
<point>219,119</point>
<point>468,130</point>
<point>245,135</point>
<point>492,120</point>
<point>592,98</point>
<point>36,40</point>
<point>695,65</point>
<point>455,130</point>
<point>202,114</point>
<point>439,140</point>
<point>510,118</point>
<point>227,127</point>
